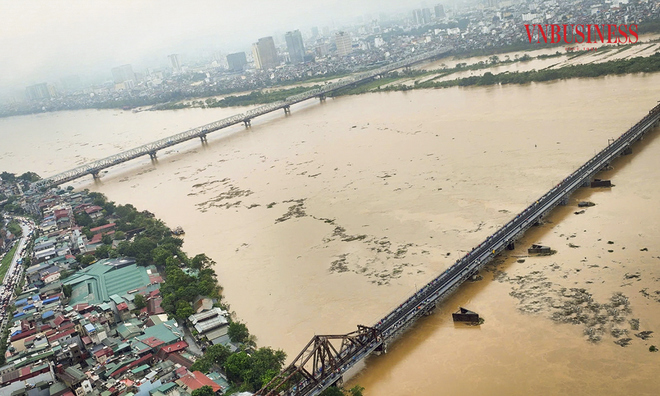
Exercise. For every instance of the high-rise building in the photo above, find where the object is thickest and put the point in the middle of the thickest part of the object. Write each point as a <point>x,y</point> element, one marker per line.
<point>38,92</point>
<point>315,32</point>
<point>255,56</point>
<point>417,17</point>
<point>426,15</point>
<point>295,46</point>
<point>265,54</point>
<point>344,43</point>
<point>174,60</point>
<point>123,73</point>
<point>421,16</point>
<point>440,11</point>
<point>237,61</point>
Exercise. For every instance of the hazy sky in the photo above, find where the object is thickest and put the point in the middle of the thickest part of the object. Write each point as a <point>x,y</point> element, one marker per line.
<point>46,40</point>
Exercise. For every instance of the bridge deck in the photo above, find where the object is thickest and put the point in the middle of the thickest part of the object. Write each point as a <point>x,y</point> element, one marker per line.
<point>425,300</point>
<point>93,168</point>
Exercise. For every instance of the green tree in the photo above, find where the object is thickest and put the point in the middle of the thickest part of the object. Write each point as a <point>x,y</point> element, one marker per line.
<point>356,390</point>
<point>103,251</point>
<point>139,301</point>
<point>87,260</point>
<point>202,364</point>
<point>238,332</point>
<point>183,310</point>
<point>201,261</point>
<point>205,390</point>
<point>30,177</point>
<point>15,228</point>
<point>83,219</point>
<point>8,177</point>
<point>238,367</point>
<point>67,290</point>
<point>218,354</point>
<point>107,239</point>
<point>332,391</point>
<point>119,235</point>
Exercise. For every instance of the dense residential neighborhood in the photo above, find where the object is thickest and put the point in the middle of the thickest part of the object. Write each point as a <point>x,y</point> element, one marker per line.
<point>102,301</point>
<point>481,27</point>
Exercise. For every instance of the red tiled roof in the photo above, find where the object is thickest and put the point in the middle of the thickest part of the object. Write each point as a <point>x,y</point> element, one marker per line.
<point>176,358</point>
<point>59,320</point>
<point>103,352</point>
<point>175,347</point>
<point>152,342</point>
<point>93,209</point>
<point>59,335</point>
<point>81,307</point>
<point>197,379</point>
<point>66,325</point>
<point>96,238</point>
<point>122,306</point>
<point>153,306</point>
<point>102,228</point>
<point>86,340</point>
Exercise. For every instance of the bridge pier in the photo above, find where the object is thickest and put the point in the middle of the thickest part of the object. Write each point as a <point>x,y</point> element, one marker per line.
<point>287,110</point>
<point>564,201</point>
<point>322,98</point>
<point>510,246</point>
<point>152,155</point>
<point>247,123</point>
<point>95,175</point>
<point>203,138</point>
<point>627,151</point>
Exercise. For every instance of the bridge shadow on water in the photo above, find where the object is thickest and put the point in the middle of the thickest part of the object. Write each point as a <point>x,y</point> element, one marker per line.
<point>415,337</point>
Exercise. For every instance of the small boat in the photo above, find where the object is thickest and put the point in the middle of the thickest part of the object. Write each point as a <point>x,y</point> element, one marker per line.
<point>178,231</point>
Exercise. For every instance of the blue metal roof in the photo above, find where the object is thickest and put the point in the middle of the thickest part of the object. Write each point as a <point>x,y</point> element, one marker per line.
<point>50,300</point>
<point>47,314</point>
<point>21,302</point>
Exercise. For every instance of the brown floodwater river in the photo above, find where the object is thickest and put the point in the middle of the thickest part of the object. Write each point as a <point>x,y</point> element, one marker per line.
<point>332,216</point>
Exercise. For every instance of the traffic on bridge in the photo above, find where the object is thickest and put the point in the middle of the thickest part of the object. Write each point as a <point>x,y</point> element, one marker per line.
<point>321,364</point>
<point>151,149</point>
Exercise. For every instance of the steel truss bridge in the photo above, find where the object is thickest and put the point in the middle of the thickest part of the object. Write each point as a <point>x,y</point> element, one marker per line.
<point>94,168</point>
<point>326,358</point>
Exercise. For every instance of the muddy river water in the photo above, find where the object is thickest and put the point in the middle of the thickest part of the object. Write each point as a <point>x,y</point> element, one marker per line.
<point>332,216</point>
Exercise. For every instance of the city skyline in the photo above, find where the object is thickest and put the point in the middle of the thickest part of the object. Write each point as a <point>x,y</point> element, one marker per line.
<point>102,35</point>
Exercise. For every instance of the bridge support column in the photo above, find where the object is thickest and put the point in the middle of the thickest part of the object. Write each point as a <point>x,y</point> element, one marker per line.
<point>152,155</point>
<point>247,123</point>
<point>510,246</point>
<point>564,201</point>
<point>203,139</point>
<point>627,151</point>
<point>287,110</point>
<point>96,176</point>
<point>322,97</point>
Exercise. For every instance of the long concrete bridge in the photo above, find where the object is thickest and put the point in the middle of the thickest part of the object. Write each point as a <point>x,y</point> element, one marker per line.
<point>326,358</point>
<point>151,149</point>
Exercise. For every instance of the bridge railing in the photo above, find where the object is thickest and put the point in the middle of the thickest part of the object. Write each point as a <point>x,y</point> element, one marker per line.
<point>152,147</point>
<point>428,295</point>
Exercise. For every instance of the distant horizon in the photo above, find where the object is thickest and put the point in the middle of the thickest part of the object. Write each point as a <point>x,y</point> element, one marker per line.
<point>104,34</point>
